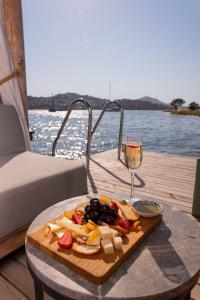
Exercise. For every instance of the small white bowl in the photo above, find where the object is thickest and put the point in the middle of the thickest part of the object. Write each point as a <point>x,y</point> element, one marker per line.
<point>148,208</point>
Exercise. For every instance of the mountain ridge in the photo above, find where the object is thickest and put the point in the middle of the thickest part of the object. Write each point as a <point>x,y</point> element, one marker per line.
<point>62,102</point>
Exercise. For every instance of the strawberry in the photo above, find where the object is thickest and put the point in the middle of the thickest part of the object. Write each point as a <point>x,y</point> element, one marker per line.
<point>124,223</point>
<point>114,206</point>
<point>65,241</point>
<point>77,219</point>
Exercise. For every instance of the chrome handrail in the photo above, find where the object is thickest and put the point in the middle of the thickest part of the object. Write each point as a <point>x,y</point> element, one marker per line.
<point>121,123</point>
<point>89,133</point>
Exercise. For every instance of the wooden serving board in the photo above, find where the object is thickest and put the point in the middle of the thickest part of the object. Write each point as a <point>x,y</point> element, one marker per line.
<point>96,268</point>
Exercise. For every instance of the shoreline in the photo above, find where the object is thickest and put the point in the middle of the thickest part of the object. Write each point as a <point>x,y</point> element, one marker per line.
<point>184,112</point>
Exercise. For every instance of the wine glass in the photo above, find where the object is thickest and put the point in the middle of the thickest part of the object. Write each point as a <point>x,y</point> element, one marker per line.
<point>133,152</point>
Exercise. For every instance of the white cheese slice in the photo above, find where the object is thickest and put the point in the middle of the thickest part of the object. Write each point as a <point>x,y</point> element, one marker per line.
<point>54,227</point>
<point>60,233</point>
<point>107,246</point>
<point>117,242</point>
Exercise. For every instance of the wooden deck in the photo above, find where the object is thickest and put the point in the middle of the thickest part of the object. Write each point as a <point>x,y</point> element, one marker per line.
<point>165,177</point>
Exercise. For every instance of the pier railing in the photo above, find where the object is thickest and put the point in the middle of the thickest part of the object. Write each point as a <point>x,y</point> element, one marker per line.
<point>106,109</point>
<point>81,100</point>
<point>90,130</point>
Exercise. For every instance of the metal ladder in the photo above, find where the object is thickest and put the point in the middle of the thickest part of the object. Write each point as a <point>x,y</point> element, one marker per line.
<point>105,109</point>
<point>91,131</point>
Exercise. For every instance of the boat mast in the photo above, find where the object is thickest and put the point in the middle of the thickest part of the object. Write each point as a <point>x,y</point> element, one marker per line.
<point>14,29</point>
<point>110,90</point>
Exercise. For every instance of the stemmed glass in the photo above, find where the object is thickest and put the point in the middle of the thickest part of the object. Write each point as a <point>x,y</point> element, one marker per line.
<point>133,152</point>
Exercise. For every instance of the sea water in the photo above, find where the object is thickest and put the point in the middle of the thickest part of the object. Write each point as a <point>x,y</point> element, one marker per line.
<point>161,132</point>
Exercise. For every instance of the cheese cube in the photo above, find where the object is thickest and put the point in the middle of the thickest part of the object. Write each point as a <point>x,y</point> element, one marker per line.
<point>114,232</point>
<point>105,232</point>
<point>107,246</point>
<point>117,242</point>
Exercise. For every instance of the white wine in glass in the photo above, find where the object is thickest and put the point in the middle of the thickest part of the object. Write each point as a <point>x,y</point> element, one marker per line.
<point>133,152</point>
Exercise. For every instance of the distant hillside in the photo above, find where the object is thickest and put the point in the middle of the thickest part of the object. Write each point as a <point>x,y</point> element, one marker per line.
<point>62,102</point>
<point>143,103</point>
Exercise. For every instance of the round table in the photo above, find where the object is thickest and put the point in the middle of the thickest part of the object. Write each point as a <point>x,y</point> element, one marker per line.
<point>165,266</point>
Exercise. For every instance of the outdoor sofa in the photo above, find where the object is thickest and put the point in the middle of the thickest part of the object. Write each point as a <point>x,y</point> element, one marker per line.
<point>29,182</point>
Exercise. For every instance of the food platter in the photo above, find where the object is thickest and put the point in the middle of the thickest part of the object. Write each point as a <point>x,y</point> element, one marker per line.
<point>86,241</point>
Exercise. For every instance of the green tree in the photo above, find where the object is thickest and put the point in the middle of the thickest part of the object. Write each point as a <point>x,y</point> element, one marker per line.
<point>177,103</point>
<point>193,106</point>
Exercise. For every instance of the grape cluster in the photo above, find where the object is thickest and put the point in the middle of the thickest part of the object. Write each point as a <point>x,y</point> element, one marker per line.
<point>99,212</point>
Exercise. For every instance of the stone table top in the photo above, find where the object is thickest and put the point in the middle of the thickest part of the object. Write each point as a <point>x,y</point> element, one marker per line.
<point>165,265</point>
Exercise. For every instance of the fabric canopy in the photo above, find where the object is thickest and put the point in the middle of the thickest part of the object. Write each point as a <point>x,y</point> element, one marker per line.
<point>10,91</point>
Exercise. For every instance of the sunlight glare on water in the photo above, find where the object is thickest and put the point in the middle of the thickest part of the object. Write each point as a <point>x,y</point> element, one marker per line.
<point>161,132</point>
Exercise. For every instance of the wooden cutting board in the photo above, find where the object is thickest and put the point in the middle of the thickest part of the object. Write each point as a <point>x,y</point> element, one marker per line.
<point>96,268</point>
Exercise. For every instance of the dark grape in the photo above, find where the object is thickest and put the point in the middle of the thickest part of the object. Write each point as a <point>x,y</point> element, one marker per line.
<point>103,217</point>
<point>86,217</point>
<point>105,208</point>
<point>94,215</point>
<point>95,203</point>
<point>98,222</point>
<point>88,209</point>
<point>112,212</point>
<point>94,200</point>
<point>110,220</point>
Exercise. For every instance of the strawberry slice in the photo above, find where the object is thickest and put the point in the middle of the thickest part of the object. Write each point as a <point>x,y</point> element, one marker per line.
<point>124,223</point>
<point>77,219</point>
<point>65,241</point>
<point>114,206</point>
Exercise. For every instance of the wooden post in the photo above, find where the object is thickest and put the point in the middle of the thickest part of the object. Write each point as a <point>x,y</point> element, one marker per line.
<point>196,197</point>
<point>14,28</point>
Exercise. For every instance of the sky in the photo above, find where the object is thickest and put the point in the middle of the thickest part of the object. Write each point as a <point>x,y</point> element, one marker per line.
<point>143,47</point>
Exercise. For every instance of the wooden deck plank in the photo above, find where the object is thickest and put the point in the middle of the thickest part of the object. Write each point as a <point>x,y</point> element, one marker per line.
<point>14,270</point>
<point>18,276</point>
<point>20,256</point>
<point>174,187</point>
<point>196,292</point>
<point>9,292</point>
<point>168,178</point>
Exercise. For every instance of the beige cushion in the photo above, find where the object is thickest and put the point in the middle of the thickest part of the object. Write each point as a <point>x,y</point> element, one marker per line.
<point>31,182</point>
<point>11,135</point>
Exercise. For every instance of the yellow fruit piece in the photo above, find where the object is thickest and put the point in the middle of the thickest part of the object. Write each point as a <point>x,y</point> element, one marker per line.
<point>139,228</point>
<point>92,223</point>
<point>94,238</point>
<point>85,227</point>
<point>90,227</point>
<point>68,214</point>
<point>106,200</point>
<point>135,225</point>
